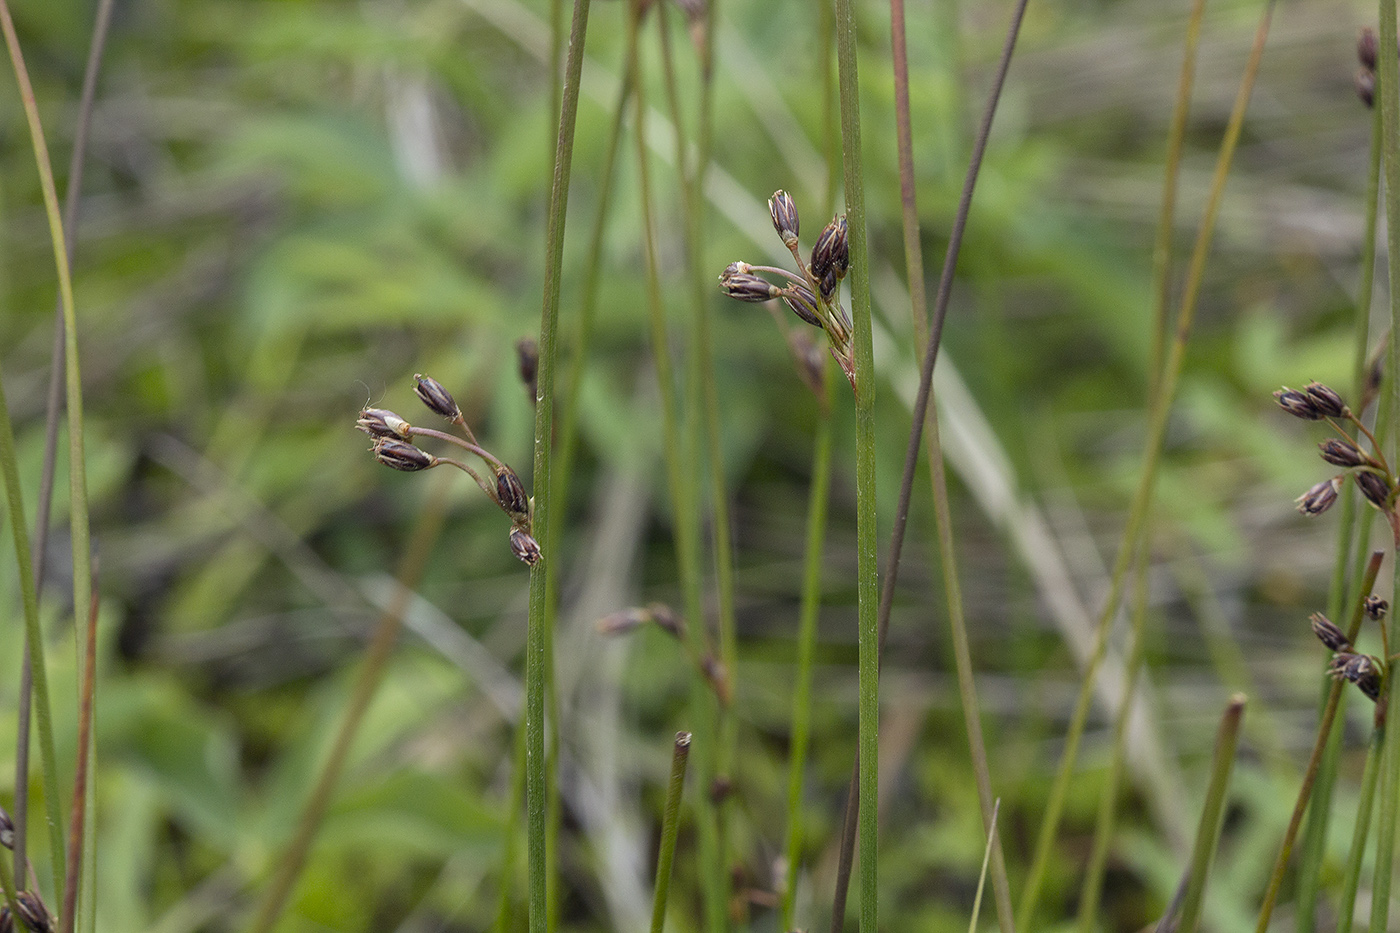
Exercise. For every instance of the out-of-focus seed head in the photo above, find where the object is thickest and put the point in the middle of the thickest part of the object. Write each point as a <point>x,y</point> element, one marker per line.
<point>1375,607</point>
<point>1366,46</point>
<point>1298,404</point>
<point>743,286</point>
<point>667,619</point>
<point>1366,86</point>
<point>1328,633</point>
<point>401,456</point>
<point>7,830</point>
<point>510,495</point>
<point>523,544</point>
<point>803,303</point>
<point>380,422</point>
<point>1319,498</point>
<point>527,357</point>
<point>1375,371</point>
<point>783,210</point>
<point>1360,670</point>
<point>1327,400</point>
<point>1375,488</point>
<point>1341,453</point>
<point>33,912</point>
<point>438,399</point>
<point>718,676</point>
<point>720,789</point>
<point>622,621</point>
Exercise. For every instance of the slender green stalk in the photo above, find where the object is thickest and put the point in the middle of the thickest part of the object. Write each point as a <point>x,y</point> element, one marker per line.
<point>1324,727</point>
<point>1314,845</point>
<point>386,631</point>
<point>1212,814</point>
<point>670,829</point>
<point>982,875</point>
<point>1147,478</point>
<point>681,484</point>
<point>77,474</point>
<point>867,590</point>
<point>77,834</point>
<point>34,641</point>
<point>510,847</point>
<point>818,495</point>
<point>1361,829</point>
<point>1108,800</point>
<point>1388,100</point>
<point>538,672</point>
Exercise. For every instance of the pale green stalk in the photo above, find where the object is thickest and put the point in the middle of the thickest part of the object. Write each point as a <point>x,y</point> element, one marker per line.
<point>806,643</point>
<point>538,673</point>
<point>670,830</point>
<point>1361,829</point>
<point>867,590</point>
<point>1142,498</point>
<point>1212,814</point>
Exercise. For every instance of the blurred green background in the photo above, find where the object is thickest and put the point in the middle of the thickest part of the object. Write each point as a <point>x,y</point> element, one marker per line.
<point>291,207</point>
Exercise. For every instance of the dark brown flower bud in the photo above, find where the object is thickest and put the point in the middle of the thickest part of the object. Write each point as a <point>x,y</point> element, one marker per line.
<point>829,283</point>
<point>527,357</point>
<point>1375,487</point>
<point>438,400</point>
<point>1366,45</point>
<point>667,620</point>
<point>1328,633</point>
<point>744,286</point>
<point>1360,670</point>
<point>33,912</point>
<point>511,497</point>
<point>1365,81</point>
<point>1319,498</point>
<point>803,303</point>
<point>7,830</point>
<point>401,456</point>
<point>622,621</point>
<point>1326,399</point>
<point>784,212</point>
<point>523,544</point>
<point>1298,404</point>
<point>831,252</point>
<point>380,422</point>
<point>1342,453</point>
<point>1375,607</point>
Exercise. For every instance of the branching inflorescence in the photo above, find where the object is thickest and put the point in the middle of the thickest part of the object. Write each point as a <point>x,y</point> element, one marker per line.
<point>394,447</point>
<point>813,293</point>
<point>1373,476</point>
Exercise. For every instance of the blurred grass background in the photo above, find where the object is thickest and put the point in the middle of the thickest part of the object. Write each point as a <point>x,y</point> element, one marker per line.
<point>291,207</point>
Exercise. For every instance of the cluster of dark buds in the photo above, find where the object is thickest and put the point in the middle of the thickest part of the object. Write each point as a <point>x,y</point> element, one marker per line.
<point>1367,48</point>
<point>32,911</point>
<point>1347,663</point>
<point>394,447</point>
<point>814,292</point>
<point>1368,469</point>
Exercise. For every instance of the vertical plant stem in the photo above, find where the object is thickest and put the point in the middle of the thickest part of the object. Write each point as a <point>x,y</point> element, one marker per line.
<point>867,593</point>
<point>920,414</point>
<point>510,848</point>
<point>537,648</point>
<point>1212,814</point>
<point>670,829</point>
<point>1351,875</point>
<point>1142,497</point>
<point>681,485</point>
<point>1324,727</point>
<point>386,631</point>
<point>1387,710</point>
<point>806,644</point>
<point>77,824</point>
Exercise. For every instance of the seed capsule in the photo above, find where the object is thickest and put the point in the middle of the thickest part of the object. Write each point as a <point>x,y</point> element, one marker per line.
<point>1326,399</point>
<point>438,399</point>
<point>784,213</point>
<point>1342,454</point>
<point>380,422</point>
<point>523,544</point>
<point>1328,633</point>
<point>1375,488</point>
<point>510,495</point>
<point>1319,498</point>
<point>1298,404</point>
<point>1366,46</point>
<point>1360,670</point>
<point>743,286</point>
<point>803,303</point>
<point>1375,608</point>
<point>401,456</point>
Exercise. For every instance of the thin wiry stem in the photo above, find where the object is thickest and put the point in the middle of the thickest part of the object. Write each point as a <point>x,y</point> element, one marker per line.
<point>670,830</point>
<point>1147,478</point>
<point>1212,814</point>
<point>919,417</point>
<point>538,644</point>
<point>78,823</point>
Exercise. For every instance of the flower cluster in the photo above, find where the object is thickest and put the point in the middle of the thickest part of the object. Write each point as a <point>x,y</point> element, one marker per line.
<point>1347,664</point>
<point>813,293</point>
<point>394,447</point>
<point>1368,469</point>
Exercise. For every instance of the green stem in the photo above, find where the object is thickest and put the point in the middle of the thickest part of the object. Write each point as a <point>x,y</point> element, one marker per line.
<point>1351,876</point>
<point>1142,497</point>
<point>1212,814</point>
<point>806,644</point>
<point>670,829</point>
<point>867,590</point>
